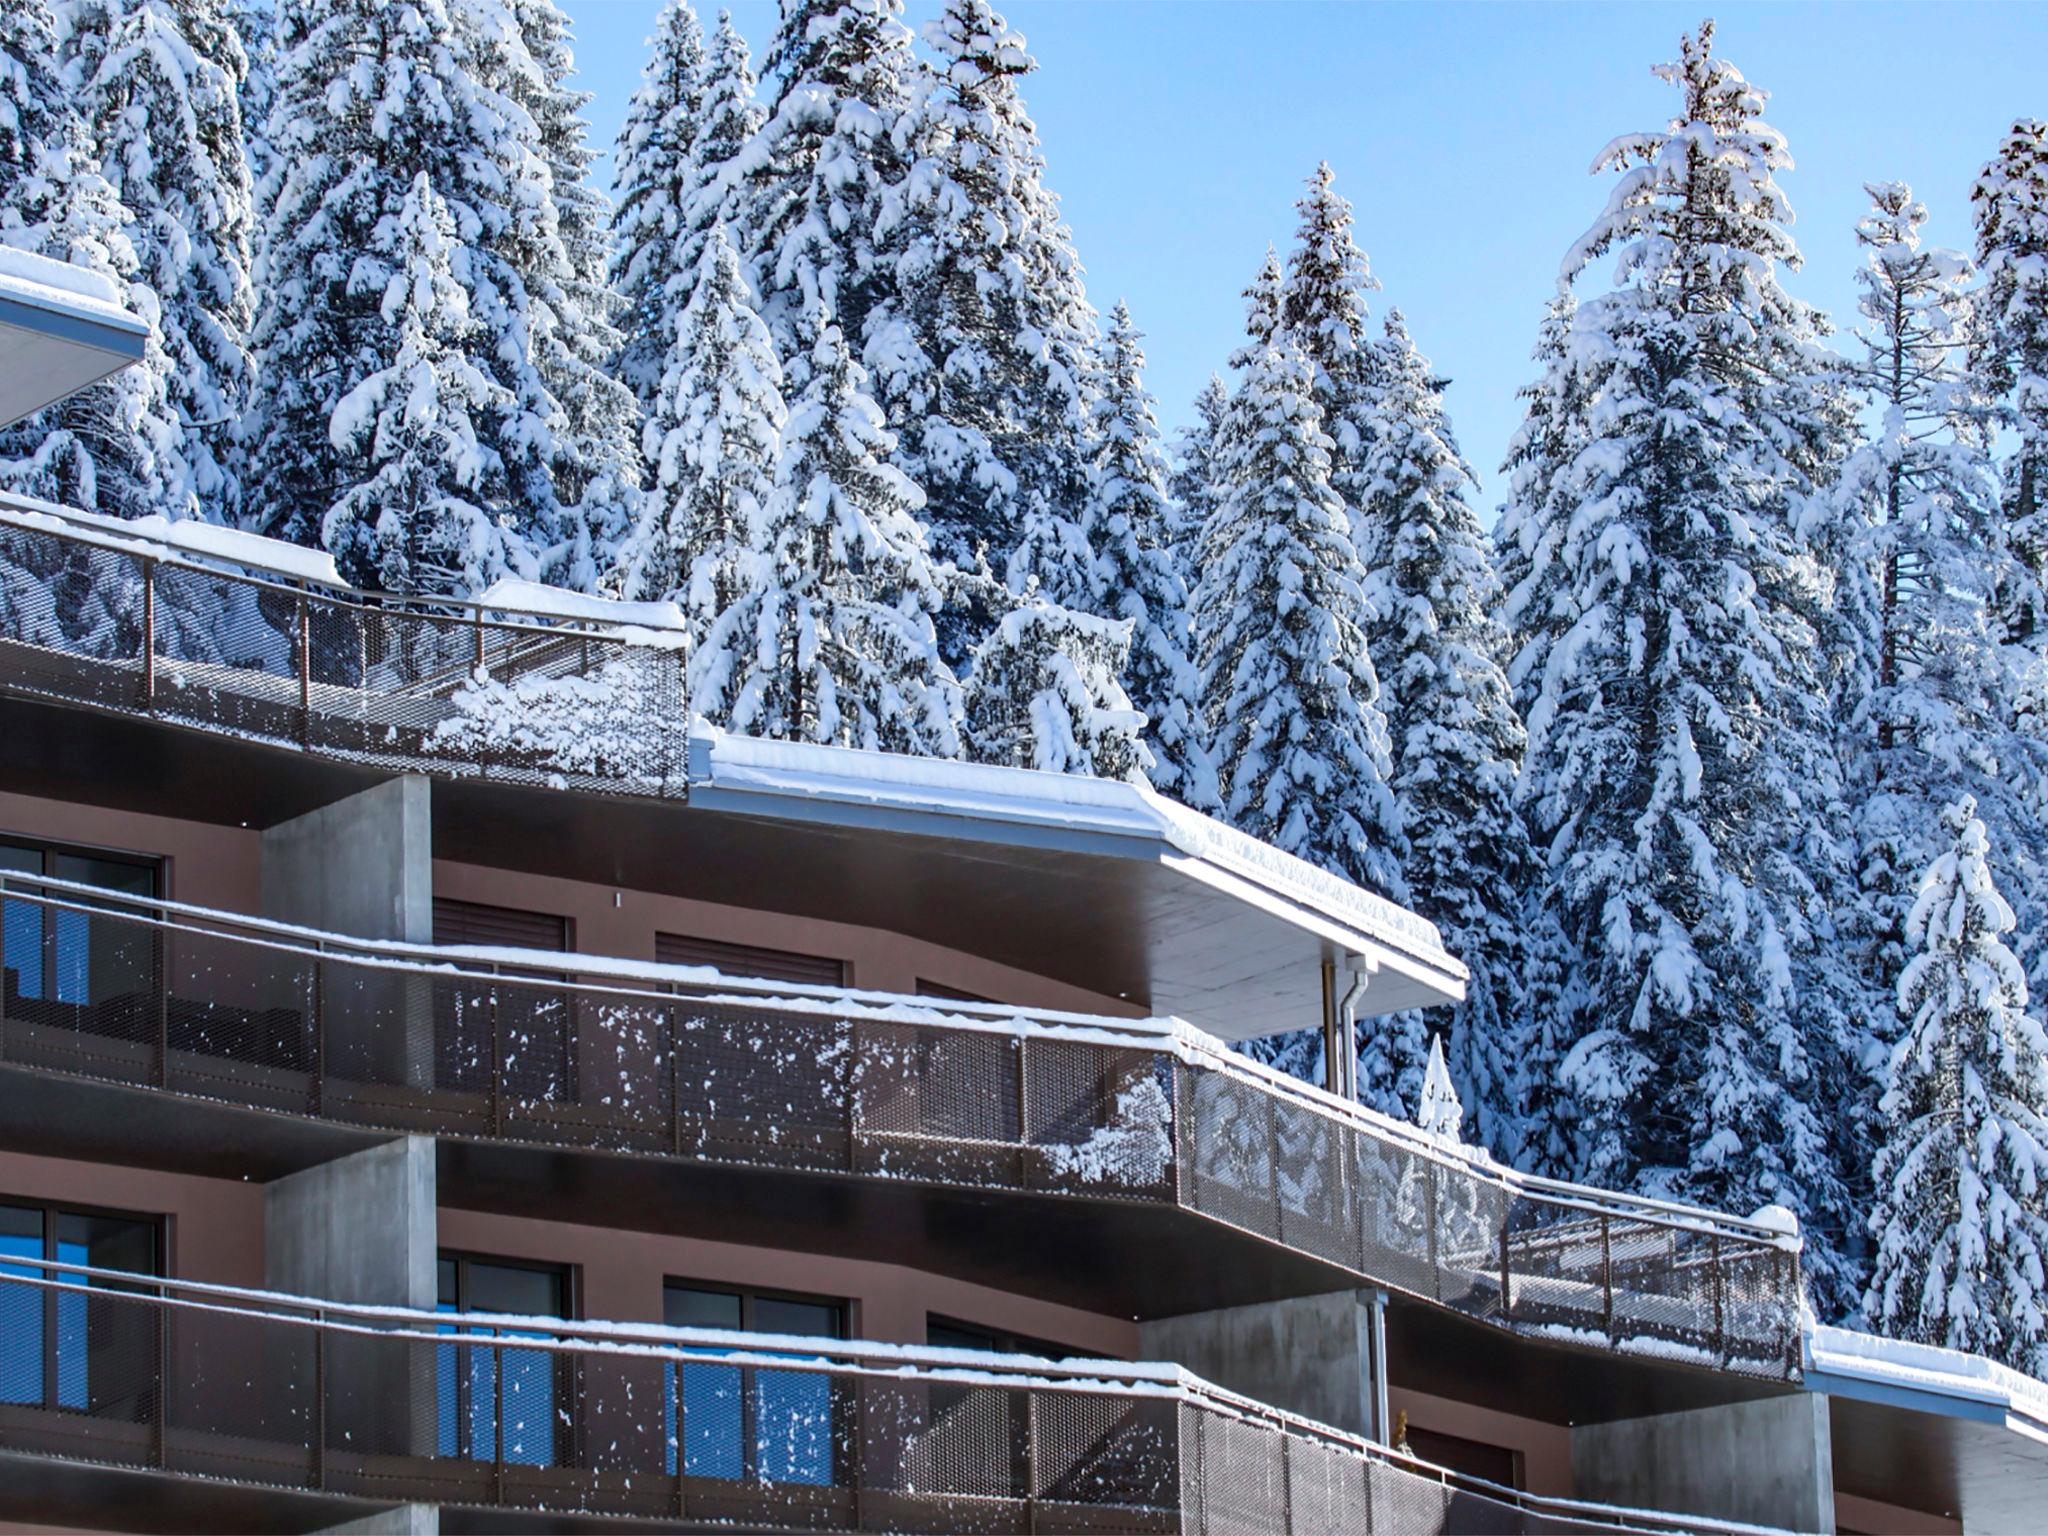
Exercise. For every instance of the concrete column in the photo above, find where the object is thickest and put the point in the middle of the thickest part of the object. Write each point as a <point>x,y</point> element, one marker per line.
<point>400,1520</point>
<point>363,866</point>
<point>1312,1355</point>
<point>362,1229</point>
<point>1767,1462</point>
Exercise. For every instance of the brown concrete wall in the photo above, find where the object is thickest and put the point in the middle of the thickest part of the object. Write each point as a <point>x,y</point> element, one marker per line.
<point>605,920</point>
<point>621,1274</point>
<point>210,866</point>
<point>215,866</point>
<point>1546,1448</point>
<point>1856,1513</point>
<point>216,1225</point>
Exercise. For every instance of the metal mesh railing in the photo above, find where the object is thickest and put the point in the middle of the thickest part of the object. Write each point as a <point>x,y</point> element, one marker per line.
<point>692,1428</point>
<point>661,1062</point>
<point>89,618</point>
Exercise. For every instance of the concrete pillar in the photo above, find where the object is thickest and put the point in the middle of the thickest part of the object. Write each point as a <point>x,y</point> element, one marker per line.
<point>1311,1355</point>
<point>400,1520</point>
<point>362,1229</point>
<point>363,866</point>
<point>1767,1462</point>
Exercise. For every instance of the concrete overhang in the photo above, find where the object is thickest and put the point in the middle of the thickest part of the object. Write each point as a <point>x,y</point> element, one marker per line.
<point>1933,1429</point>
<point>1221,929</point>
<point>61,330</point>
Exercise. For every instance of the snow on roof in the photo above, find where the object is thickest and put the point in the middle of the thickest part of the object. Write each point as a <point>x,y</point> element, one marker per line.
<point>1108,807</point>
<point>1925,1368</point>
<point>514,596</point>
<point>159,536</point>
<point>32,279</point>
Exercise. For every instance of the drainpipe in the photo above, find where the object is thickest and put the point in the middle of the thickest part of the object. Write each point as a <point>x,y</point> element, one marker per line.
<point>1376,1366</point>
<point>1345,1079</point>
<point>1332,1055</point>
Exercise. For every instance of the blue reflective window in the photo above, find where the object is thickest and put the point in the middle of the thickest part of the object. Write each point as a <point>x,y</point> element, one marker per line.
<point>468,1396</point>
<point>751,1422</point>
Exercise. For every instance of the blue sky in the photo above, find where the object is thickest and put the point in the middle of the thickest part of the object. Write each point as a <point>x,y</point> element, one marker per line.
<point>1178,134</point>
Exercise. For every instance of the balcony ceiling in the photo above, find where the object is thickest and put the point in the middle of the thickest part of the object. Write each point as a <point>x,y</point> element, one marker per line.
<point>1107,887</point>
<point>53,341</point>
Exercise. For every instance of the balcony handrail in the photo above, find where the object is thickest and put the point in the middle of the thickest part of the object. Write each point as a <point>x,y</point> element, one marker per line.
<point>800,1354</point>
<point>1172,1035</point>
<point>37,517</point>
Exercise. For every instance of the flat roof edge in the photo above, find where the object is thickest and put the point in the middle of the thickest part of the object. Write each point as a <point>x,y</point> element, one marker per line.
<point>1072,813</point>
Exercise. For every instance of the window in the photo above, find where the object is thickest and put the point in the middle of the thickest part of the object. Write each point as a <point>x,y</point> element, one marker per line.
<point>535,1028</point>
<point>939,989</point>
<point>750,960</point>
<point>950,1333</point>
<point>58,955</point>
<point>474,922</point>
<point>84,1351</point>
<point>743,1422</point>
<point>1475,1458</point>
<point>473,1400</point>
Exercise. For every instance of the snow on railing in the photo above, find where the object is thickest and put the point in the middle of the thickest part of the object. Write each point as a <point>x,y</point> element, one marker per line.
<point>636,1419</point>
<point>244,636</point>
<point>672,1061</point>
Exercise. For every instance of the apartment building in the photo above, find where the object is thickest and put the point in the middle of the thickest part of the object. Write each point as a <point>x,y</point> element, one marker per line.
<point>442,1089</point>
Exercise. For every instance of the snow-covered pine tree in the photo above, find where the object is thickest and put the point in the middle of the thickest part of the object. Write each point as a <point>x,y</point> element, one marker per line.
<point>1196,478</point>
<point>1301,750</point>
<point>255,24</point>
<point>1676,765</point>
<point>596,467</point>
<point>1961,1220</point>
<point>1130,529</point>
<point>413,517</point>
<point>1438,645</point>
<point>711,442</point>
<point>1914,532</point>
<point>1045,694</point>
<point>369,97</point>
<point>1438,1112</point>
<point>816,172</point>
<point>654,168</point>
<point>117,447</point>
<point>983,350</point>
<point>728,118</point>
<point>157,83</point>
<point>1535,591</point>
<point>833,639</point>
<point>2011,345</point>
<point>1323,304</point>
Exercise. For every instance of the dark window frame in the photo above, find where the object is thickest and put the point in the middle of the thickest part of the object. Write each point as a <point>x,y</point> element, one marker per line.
<point>156,865</point>
<point>52,1212</point>
<point>748,1297</point>
<point>1006,1342</point>
<point>567,1368</point>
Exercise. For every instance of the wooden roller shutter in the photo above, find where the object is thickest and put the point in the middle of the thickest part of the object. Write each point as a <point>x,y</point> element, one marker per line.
<point>474,922</point>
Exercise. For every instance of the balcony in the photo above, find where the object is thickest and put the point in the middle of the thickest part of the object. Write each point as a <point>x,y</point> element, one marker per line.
<point>237,1401</point>
<point>1144,1149</point>
<point>187,627</point>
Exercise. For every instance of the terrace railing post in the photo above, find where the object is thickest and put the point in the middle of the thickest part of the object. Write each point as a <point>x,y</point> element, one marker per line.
<point>675,1105</point>
<point>149,634</point>
<point>1431,1220</point>
<point>317,1041</point>
<point>480,641</point>
<point>304,629</point>
<point>681,1498</point>
<point>497,1065</point>
<point>497,1422</point>
<point>160,1431</point>
<point>1720,1299</point>
<point>159,960</point>
<point>1507,1299</point>
<point>320,1398</point>
<point>1023,1116</point>
<point>1607,1279</point>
